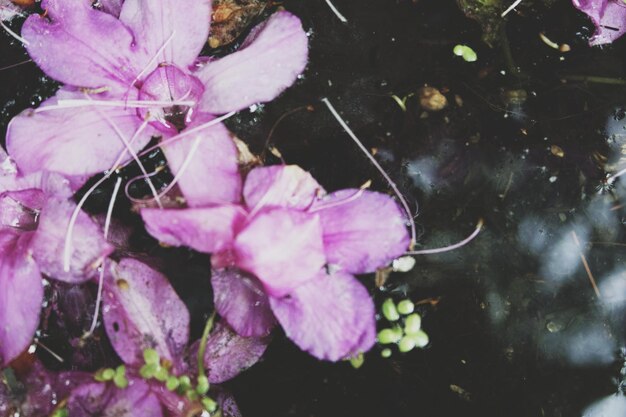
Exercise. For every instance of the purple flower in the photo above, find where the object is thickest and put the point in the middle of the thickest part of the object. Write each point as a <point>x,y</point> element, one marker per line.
<point>609,17</point>
<point>34,215</point>
<point>139,76</point>
<point>288,254</point>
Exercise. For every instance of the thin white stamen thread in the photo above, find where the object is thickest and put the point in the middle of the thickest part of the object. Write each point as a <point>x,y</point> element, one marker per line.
<point>183,167</point>
<point>16,65</point>
<point>613,177</point>
<point>464,242</point>
<point>152,60</point>
<point>133,154</point>
<point>186,132</point>
<point>139,104</point>
<point>131,181</point>
<point>334,9</point>
<point>13,34</point>
<point>392,184</point>
<point>511,7</point>
<point>353,197</point>
<point>107,225</point>
<point>68,247</point>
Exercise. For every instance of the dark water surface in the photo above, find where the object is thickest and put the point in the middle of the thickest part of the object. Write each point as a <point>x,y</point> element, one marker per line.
<point>518,329</point>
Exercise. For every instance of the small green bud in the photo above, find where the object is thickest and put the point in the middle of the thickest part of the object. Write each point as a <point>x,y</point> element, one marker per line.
<point>61,412</point>
<point>412,324</point>
<point>191,395</point>
<point>209,404</point>
<point>151,356</point>
<point>203,385</point>
<point>148,370</point>
<point>406,344</point>
<point>406,307</point>
<point>420,338</point>
<point>387,336</point>
<point>120,370</point>
<point>172,383</point>
<point>389,310</point>
<point>357,361</point>
<point>185,382</point>
<point>120,381</point>
<point>104,375</point>
<point>161,374</point>
<point>466,52</point>
<point>458,50</point>
<point>386,353</point>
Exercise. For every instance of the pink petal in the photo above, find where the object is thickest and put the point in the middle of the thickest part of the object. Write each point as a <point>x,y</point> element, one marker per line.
<point>609,17</point>
<point>282,247</point>
<point>268,62</point>
<point>21,295</point>
<point>141,310</point>
<point>73,141</point>
<point>208,230</point>
<point>168,31</point>
<point>363,230</point>
<point>228,354</point>
<point>99,399</point>
<point>112,7</point>
<point>19,210</point>
<point>240,300</point>
<point>89,247</point>
<point>211,173</point>
<point>281,186</point>
<point>331,316</point>
<point>80,46</point>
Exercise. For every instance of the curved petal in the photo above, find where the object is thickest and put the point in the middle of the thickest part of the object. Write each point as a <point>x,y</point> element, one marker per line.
<point>240,300</point>
<point>363,230</point>
<point>609,17</point>
<point>208,230</point>
<point>281,186</point>
<point>141,310</point>
<point>228,354</point>
<point>19,209</point>
<point>331,316</point>
<point>81,46</point>
<point>21,295</point>
<point>76,141</point>
<point>112,7</point>
<point>171,31</point>
<point>89,247</point>
<point>268,62</point>
<point>282,247</point>
<point>99,399</point>
<point>205,163</point>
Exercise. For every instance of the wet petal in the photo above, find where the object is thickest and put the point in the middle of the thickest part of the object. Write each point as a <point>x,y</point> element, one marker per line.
<point>48,244</point>
<point>99,399</point>
<point>269,61</point>
<point>363,230</point>
<point>331,316</point>
<point>228,354</point>
<point>239,298</point>
<point>141,310</point>
<point>206,230</point>
<point>112,7</point>
<point>81,46</point>
<point>168,30</point>
<point>206,163</point>
<point>282,247</point>
<point>608,16</point>
<point>281,186</point>
<point>19,210</point>
<point>21,295</point>
<point>73,141</point>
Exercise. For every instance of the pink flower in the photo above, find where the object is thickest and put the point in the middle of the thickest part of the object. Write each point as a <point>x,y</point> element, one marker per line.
<point>609,17</point>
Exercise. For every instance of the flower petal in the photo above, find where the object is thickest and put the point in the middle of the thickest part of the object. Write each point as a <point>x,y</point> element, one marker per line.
<point>21,295</point>
<point>141,310</point>
<point>282,247</point>
<point>80,46</point>
<point>269,61</point>
<point>99,399</point>
<point>112,7</point>
<point>608,16</point>
<point>363,230</point>
<point>168,31</point>
<point>48,244</point>
<point>240,300</point>
<point>206,230</point>
<point>281,186</point>
<point>331,316</point>
<point>19,209</point>
<point>228,354</point>
<point>73,141</point>
<point>206,164</point>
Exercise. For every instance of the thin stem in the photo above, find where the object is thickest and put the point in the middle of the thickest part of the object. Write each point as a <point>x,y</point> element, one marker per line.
<point>13,34</point>
<point>595,79</point>
<point>462,243</point>
<point>203,342</point>
<point>511,8</point>
<point>337,13</point>
<point>380,169</point>
<point>583,258</point>
<point>16,65</point>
